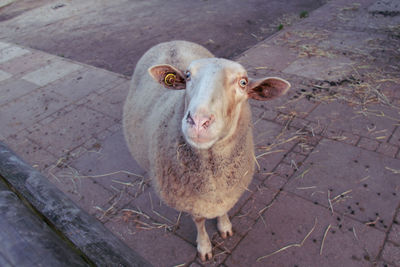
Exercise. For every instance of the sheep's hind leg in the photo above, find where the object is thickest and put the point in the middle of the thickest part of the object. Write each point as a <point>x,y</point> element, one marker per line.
<point>224,226</point>
<point>203,241</point>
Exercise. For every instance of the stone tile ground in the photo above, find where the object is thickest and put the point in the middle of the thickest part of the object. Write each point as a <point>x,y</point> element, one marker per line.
<point>326,191</point>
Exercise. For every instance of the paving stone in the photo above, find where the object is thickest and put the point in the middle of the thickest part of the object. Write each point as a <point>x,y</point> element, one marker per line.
<point>271,143</point>
<point>12,52</point>
<point>31,152</point>
<point>267,56</point>
<point>391,253</point>
<point>368,144</point>
<point>351,41</point>
<point>275,182</point>
<point>84,81</point>
<point>4,45</point>
<point>359,183</point>
<point>332,133</point>
<point>195,264</point>
<point>257,204</point>
<point>387,149</point>
<point>4,75</point>
<point>316,128</point>
<point>349,138</point>
<point>28,109</point>
<point>52,72</point>
<point>294,158</point>
<point>394,234</point>
<point>13,89</point>
<point>158,246</point>
<point>150,204</point>
<point>26,62</point>
<point>375,122</point>
<point>285,170</point>
<point>299,123</point>
<point>110,164</point>
<point>111,102</point>
<point>292,220</point>
<point>299,108</point>
<point>321,68</point>
<point>395,139</point>
<point>86,193</point>
<point>263,113</point>
<point>71,130</point>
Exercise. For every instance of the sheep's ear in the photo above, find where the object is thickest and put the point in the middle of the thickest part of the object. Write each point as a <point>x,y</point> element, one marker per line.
<point>267,88</point>
<point>168,76</point>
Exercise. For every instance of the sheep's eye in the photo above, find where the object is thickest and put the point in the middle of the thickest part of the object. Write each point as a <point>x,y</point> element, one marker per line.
<point>187,75</point>
<point>243,82</point>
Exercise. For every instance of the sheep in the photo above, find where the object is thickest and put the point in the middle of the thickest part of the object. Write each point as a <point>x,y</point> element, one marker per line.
<point>195,140</point>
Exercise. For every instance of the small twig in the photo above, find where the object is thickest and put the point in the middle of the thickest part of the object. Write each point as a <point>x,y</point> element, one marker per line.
<point>323,239</point>
<point>393,170</point>
<point>329,200</point>
<point>269,152</point>
<point>354,232</point>
<point>342,195</point>
<point>305,188</point>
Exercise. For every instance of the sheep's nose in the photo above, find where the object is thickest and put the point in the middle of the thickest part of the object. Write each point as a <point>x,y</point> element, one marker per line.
<point>200,120</point>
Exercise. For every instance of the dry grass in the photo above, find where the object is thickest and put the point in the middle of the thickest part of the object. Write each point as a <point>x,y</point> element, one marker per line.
<point>291,245</point>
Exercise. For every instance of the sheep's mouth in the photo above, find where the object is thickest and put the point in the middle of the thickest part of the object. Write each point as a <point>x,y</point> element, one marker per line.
<point>200,142</point>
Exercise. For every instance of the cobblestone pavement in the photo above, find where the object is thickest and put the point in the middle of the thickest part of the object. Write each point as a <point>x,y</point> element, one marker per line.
<point>327,187</point>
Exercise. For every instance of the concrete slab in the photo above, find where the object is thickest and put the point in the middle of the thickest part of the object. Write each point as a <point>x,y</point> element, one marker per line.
<point>3,45</point>
<point>170,248</point>
<point>271,244</point>
<point>77,85</point>
<point>110,102</point>
<point>267,57</point>
<point>31,108</point>
<point>354,182</point>
<point>4,3</point>
<point>395,139</point>
<point>11,90</point>
<point>374,121</point>
<point>110,165</point>
<point>50,73</point>
<point>12,52</point>
<point>271,143</point>
<point>321,68</point>
<point>70,129</point>
<point>27,62</point>
<point>391,253</point>
<point>37,156</point>
<point>4,75</point>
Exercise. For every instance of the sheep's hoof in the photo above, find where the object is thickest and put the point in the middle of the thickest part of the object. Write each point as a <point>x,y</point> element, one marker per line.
<point>225,234</point>
<point>205,256</point>
<point>204,250</point>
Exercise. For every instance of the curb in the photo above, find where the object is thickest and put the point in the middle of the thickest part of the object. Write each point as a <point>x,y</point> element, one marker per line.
<point>94,242</point>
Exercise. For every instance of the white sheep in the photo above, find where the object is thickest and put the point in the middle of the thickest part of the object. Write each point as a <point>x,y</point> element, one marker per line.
<point>196,144</point>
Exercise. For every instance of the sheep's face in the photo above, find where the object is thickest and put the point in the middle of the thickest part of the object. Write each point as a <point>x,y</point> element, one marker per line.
<point>215,91</point>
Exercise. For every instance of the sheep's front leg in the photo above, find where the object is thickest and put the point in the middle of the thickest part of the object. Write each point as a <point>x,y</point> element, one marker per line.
<point>203,241</point>
<point>224,226</point>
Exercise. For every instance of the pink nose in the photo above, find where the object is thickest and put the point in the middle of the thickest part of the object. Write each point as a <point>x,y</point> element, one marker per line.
<point>200,121</point>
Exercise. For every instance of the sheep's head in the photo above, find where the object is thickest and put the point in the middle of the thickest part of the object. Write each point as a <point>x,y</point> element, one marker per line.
<point>215,91</point>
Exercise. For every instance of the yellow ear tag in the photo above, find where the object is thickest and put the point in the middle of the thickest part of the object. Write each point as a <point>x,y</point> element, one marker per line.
<point>169,79</point>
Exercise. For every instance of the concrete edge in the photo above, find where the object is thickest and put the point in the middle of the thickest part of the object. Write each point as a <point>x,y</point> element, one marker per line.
<point>86,233</point>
